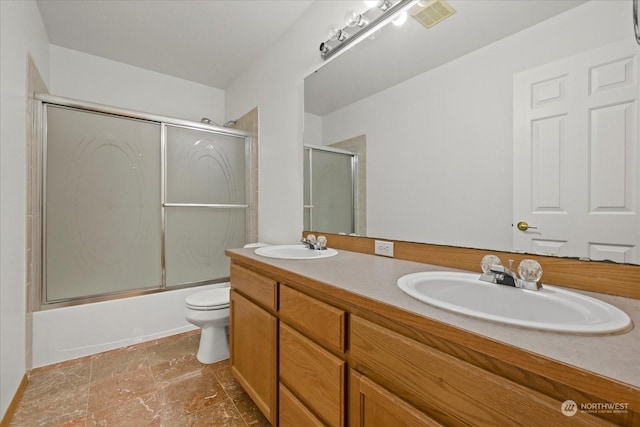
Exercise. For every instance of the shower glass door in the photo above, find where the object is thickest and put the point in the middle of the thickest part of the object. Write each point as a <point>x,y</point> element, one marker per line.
<point>102,224</point>
<point>205,203</point>
<point>134,205</point>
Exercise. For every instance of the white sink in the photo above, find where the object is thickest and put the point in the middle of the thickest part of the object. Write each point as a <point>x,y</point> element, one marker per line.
<point>294,252</point>
<point>549,309</point>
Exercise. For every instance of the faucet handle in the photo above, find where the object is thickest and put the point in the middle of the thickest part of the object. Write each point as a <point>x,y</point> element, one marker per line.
<point>488,261</point>
<point>530,270</point>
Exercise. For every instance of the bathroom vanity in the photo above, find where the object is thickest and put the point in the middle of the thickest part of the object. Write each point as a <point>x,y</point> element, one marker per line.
<point>335,342</point>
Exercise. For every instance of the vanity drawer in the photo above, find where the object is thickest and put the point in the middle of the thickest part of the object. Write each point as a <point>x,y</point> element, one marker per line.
<point>314,375</point>
<point>293,413</point>
<point>450,390</point>
<point>259,288</point>
<point>316,319</point>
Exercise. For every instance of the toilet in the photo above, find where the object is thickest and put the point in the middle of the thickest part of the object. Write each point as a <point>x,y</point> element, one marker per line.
<point>209,310</point>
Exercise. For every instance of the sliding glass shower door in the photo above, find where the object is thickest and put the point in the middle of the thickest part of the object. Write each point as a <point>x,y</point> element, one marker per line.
<point>102,198</point>
<point>133,204</point>
<point>205,203</point>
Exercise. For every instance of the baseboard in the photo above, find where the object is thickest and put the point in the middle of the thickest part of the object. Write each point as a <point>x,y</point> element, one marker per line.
<point>14,402</point>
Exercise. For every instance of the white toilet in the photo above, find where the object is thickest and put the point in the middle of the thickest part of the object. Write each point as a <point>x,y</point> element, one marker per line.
<point>209,310</point>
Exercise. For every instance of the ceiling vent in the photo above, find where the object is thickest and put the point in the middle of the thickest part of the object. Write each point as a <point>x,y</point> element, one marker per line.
<point>433,12</point>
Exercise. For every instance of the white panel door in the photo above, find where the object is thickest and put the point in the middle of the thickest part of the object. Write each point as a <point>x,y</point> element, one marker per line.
<point>577,156</point>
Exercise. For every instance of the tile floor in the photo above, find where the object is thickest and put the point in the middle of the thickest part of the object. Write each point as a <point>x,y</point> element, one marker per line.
<point>157,383</point>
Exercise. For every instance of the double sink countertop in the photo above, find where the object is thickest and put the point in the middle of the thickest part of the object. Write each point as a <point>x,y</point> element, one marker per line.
<point>375,278</point>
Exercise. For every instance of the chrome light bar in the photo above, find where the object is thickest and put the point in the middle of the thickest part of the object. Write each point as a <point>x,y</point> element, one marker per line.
<point>363,25</point>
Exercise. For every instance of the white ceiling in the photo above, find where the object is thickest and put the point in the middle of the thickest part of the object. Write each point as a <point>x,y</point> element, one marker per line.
<point>205,41</point>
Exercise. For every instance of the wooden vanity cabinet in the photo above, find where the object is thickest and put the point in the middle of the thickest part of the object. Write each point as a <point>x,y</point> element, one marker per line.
<point>253,338</point>
<point>307,359</point>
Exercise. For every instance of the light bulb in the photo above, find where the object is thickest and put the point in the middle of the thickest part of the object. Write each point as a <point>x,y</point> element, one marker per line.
<point>400,19</point>
<point>332,33</point>
<point>352,19</point>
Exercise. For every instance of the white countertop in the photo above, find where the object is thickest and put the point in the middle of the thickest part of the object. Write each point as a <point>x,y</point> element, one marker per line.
<point>375,277</point>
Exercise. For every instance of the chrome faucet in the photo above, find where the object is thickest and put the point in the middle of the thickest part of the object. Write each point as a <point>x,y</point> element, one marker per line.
<point>311,242</point>
<point>310,245</point>
<point>529,270</point>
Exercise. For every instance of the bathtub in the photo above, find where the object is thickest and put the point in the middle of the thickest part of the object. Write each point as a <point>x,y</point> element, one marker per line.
<point>71,332</point>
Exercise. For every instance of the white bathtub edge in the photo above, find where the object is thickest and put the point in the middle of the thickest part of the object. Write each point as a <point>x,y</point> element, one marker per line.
<point>72,332</point>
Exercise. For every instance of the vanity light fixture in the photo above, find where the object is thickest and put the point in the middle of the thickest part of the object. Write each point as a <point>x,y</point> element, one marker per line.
<point>361,26</point>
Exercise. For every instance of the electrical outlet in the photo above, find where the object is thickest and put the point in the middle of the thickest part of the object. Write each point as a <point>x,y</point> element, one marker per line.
<point>384,248</point>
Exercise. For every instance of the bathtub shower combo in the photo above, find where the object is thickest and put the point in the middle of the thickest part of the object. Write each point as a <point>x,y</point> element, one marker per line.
<point>133,204</point>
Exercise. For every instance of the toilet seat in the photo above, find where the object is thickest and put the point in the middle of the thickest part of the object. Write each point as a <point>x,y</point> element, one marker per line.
<point>213,299</point>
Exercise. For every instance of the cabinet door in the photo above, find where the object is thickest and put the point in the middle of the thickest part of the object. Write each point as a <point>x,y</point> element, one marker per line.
<point>294,413</point>
<point>253,348</point>
<point>373,406</point>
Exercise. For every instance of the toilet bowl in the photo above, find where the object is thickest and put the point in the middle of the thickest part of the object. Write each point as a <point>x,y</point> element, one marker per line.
<point>209,310</point>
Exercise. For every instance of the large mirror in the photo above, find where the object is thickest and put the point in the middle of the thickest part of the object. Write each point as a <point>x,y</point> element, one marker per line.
<point>469,127</point>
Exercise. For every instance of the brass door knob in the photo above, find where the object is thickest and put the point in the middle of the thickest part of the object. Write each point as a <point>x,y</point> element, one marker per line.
<point>524,226</point>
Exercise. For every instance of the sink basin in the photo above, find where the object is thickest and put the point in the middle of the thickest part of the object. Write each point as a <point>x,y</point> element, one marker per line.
<point>294,252</point>
<point>549,309</point>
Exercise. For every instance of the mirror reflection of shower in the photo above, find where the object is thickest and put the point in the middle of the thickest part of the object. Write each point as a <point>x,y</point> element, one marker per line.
<point>227,124</point>
<point>329,190</point>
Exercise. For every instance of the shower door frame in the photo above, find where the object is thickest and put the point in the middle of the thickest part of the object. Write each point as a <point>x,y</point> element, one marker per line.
<point>45,100</point>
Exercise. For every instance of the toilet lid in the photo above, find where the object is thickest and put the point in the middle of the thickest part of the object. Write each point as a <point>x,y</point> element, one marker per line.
<point>211,299</point>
